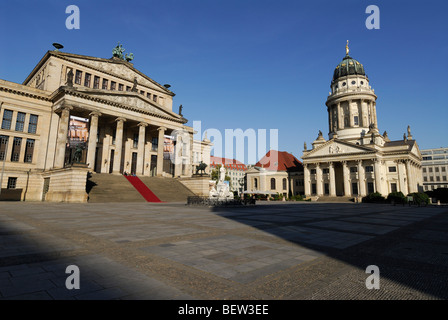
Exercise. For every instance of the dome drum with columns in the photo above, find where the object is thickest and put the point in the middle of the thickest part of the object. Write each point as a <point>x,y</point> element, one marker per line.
<point>357,159</point>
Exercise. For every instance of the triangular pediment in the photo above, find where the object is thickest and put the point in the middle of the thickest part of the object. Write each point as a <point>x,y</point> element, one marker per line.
<point>130,100</point>
<point>116,67</point>
<point>416,150</point>
<point>337,147</point>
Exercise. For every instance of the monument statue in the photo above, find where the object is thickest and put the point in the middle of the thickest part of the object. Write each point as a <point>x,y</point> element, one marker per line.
<point>346,48</point>
<point>304,146</point>
<point>70,78</point>
<point>117,52</point>
<point>129,57</point>
<point>201,167</point>
<point>180,110</point>
<point>134,87</point>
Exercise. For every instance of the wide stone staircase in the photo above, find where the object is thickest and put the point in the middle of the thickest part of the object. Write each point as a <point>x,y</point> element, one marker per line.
<point>335,199</point>
<point>103,187</point>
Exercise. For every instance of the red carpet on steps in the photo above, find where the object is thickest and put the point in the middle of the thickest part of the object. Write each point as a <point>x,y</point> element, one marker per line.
<point>143,189</point>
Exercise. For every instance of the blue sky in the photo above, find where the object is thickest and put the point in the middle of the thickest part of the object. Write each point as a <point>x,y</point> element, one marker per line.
<point>258,64</point>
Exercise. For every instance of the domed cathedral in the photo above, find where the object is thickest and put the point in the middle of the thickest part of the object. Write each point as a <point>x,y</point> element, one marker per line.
<point>356,159</point>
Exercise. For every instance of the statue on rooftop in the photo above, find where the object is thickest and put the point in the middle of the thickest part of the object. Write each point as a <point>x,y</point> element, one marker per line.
<point>117,52</point>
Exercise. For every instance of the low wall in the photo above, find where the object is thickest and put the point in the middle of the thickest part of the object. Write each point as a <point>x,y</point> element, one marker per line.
<point>67,185</point>
<point>198,185</point>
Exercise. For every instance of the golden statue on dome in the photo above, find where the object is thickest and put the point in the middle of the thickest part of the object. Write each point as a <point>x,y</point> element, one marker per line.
<point>346,48</point>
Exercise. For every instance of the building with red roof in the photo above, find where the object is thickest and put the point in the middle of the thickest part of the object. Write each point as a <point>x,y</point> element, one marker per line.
<point>278,172</point>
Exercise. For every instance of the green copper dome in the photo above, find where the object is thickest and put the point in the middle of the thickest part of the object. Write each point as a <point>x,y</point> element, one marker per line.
<point>348,67</point>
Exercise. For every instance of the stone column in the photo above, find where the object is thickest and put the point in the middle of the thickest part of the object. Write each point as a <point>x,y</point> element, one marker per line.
<point>377,173</point>
<point>105,161</point>
<point>160,151</point>
<point>409,176</point>
<point>319,183</point>
<point>403,186</point>
<point>178,155</point>
<point>374,115</point>
<point>350,116</point>
<point>118,145</point>
<point>93,132</point>
<point>346,173</point>
<point>141,147</point>
<point>61,141</point>
<point>332,181</point>
<point>361,179</point>
<point>340,117</point>
<point>306,180</point>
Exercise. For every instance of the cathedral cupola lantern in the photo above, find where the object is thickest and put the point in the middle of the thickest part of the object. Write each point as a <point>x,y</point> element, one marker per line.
<point>351,104</point>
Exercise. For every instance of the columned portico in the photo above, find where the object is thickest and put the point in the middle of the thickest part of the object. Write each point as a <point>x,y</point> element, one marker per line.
<point>118,145</point>
<point>61,143</point>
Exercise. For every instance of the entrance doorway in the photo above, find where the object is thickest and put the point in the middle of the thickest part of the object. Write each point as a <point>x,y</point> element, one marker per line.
<point>339,177</point>
<point>134,163</point>
<point>111,162</point>
<point>153,165</point>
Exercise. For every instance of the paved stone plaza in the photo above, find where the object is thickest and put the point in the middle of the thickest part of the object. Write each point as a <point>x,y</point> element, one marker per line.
<point>268,251</point>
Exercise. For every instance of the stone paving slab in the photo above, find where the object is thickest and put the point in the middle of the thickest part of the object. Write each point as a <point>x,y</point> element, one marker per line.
<point>268,251</point>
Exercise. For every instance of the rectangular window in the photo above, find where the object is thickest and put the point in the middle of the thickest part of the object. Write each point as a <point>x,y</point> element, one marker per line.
<point>7,119</point>
<point>444,178</point>
<point>87,80</point>
<point>313,171</point>
<point>356,120</point>
<point>438,178</point>
<point>431,178</point>
<point>392,169</point>
<point>3,146</point>
<point>29,150</point>
<point>142,92</point>
<point>326,170</point>
<point>105,84</point>
<point>96,82</point>
<point>16,149</point>
<point>32,126</point>
<point>135,140</point>
<point>430,169</point>
<point>424,170</point>
<point>128,88</point>
<point>154,98</point>
<point>20,122</point>
<point>113,85</point>
<point>443,169</point>
<point>78,77</point>
<point>370,188</point>
<point>12,183</point>
<point>393,187</point>
<point>120,87</point>
<point>354,188</point>
<point>148,95</point>
<point>353,169</point>
<point>313,188</point>
<point>154,144</point>
<point>437,169</point>
<point>425,178</point>
<point>427,158</point>
<point>369,168</point>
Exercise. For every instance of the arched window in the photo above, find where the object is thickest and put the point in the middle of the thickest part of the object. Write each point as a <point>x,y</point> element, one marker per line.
<point>255,183</point>
<point>284,184</point>
<point>272,183</point>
